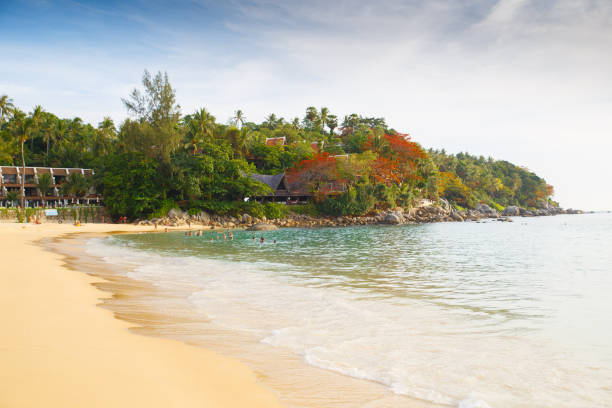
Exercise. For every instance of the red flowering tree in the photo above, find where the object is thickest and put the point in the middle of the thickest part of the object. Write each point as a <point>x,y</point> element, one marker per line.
<point>398,157</point>
<point>315,174</point>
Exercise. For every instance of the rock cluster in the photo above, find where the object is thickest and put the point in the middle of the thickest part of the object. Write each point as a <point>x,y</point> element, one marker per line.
<point>426,211</point>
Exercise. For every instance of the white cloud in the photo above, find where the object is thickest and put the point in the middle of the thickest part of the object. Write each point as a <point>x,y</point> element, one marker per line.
<point>522,80</point>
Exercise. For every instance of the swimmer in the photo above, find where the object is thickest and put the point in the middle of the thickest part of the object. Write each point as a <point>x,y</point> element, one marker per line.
<point>231,236</point>
<point>275,241</point>
<point>262,240</point>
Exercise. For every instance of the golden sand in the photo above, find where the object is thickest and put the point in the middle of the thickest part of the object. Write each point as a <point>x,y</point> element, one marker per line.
<point>57,349</point>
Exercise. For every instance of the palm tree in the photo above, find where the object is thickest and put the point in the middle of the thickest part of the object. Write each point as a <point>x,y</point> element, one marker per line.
<point>48,127</point>
<point>11,197</point>
<point>323,117</point>
<point>45,182</point>
<point>24,128</point>
<point>106,133</point>
<point>295,123</point>
<point>270,121</point>
<point>312,116</point>
<point>76,185</point>
<point>6,107</point>
<point>61,128</point>
<point>332,123</point>
<point>204,122</point>
<point>200,126</point>
<point>37,115</point>
<point>239,117</point>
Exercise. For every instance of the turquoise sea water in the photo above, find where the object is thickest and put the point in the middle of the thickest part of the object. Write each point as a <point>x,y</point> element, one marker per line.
<point>455,314</point>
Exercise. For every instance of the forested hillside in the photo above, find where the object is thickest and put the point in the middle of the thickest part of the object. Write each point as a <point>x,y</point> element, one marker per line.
<point>160,158</point>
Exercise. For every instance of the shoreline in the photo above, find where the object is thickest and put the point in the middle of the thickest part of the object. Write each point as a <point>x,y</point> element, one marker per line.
<point>60,349</point>
<point>159,313</point>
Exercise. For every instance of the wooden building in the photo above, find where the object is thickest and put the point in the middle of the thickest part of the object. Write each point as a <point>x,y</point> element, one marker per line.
<point>281,189</point>
<point>10,181</point>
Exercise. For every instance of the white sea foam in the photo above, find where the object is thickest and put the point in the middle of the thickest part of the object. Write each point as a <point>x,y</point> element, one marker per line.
<point>413,348</point>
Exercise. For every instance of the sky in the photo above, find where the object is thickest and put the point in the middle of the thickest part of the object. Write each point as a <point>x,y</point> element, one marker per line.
<point>528,81</point>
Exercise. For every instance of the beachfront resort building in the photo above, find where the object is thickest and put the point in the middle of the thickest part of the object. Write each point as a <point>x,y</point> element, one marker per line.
<point>10,182</point>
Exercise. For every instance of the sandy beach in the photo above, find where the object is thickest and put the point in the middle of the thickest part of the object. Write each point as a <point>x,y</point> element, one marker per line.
<point>58,349</point>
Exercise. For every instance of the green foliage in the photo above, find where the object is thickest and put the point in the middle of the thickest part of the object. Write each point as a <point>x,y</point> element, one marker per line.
<point>131,186</point>
<point>29,212</point>
<point>275,210</point>
<point>237,208</point>
<point>159,158</point>
<point>254,209</point>
<point>304,209</point>
<point>45,183</point>
<point>12,197</point>
<point>20,215</point>
<point>162,211</point>
<point>357,200</point>
<point>478,179</point>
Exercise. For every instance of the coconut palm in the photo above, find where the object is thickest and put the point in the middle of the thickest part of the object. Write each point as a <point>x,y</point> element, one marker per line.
<point>48,127</point>
<point>204,123</point>
<point>76,186</point>
<point>11,197</point>
<point>323,116</point>
<point>295,123</point>
<point>60,130</point>
<point>37,118</point>
<point>24,127</point>
<point>200,127</point>
<point>6,107</point>
<point>332,123</point>
<point>44,185</point>
<point>270,121</point>
<point>239,118</point>
<point>105,133</point>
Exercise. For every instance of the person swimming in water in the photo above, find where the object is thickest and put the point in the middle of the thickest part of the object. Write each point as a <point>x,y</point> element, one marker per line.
<point>262,240</point>
<point>231,236</point>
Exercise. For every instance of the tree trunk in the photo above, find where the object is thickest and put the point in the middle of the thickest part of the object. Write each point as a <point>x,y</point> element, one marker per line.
<point>47,156</point>
<point>22,176</point>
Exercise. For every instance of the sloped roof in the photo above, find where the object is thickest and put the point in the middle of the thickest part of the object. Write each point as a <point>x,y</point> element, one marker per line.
<point>276,141</point>
<point>272,180</point>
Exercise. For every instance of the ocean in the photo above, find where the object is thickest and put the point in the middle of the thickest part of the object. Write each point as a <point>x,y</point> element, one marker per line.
<point>471,315</point>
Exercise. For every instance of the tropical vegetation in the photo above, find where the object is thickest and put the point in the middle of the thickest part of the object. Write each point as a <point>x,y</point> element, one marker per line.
<point>160,158</point>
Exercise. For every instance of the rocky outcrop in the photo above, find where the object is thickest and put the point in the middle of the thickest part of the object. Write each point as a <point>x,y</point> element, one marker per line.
<point>394,218</point>
<point>426,211</point>
<point>262,227</point>
<point>511,211</point>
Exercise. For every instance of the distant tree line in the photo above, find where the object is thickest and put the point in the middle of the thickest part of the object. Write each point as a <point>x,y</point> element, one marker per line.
<point>159,158</point>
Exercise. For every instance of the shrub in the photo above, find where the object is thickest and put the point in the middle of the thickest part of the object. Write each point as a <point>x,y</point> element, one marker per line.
<point>275,210</point>
<point>304,209</point>
<point>356,201</point>
<point>496,206</point>
<point>162,211</point>
<point>254,209</point>
<point>20,216</point>
<point>29,212</point>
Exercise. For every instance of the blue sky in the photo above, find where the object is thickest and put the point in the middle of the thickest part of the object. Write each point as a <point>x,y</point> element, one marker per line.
<point>523,80</point>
